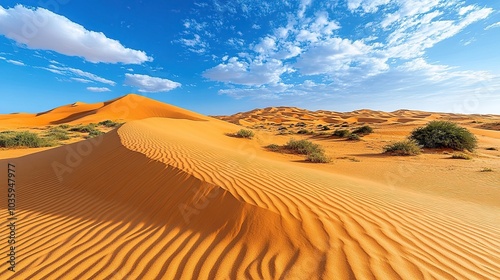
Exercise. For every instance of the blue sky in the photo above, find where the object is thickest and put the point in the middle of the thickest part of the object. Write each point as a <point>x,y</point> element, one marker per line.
<point>221,57</point>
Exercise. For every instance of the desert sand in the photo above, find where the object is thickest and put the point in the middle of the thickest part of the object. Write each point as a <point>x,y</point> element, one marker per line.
<point>169,195</point>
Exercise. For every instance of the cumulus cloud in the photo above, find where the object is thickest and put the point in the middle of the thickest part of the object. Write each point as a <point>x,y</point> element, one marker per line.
<point>147,83</point>
<point>98,89</point>
<point>255,73</point>
<point>44,30</point>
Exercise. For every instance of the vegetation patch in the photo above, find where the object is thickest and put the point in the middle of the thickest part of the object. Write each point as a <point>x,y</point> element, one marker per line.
<point>444,134</point>
<point>109,123</point>
<point>314,152</point>
<point>57,133</point>
<point>26,139</point>
<point>363,130</point>
<point>342,133</point>
<point>244,133</point>
<point>461,156</point>
<point>486,169</point>
<point>317,157</point>
<point>303,131</point>
<point>403,148</point>
<point>353,137</point>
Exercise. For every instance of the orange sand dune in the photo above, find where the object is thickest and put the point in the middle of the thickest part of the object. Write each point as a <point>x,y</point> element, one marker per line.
<point>128,107</point>
<point>175,198</point>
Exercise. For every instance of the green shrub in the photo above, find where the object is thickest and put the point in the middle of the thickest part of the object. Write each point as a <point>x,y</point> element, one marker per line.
<point>486,169</point>
<point>461,156</point>
<point>302,147</point>
<point>64,126</point>
<point>403,148</point>
<point>365,129</point>
<point>245,133</point>
<point>444,134</point>
<point>300,124</point>
<point>353,137</point>
<point>303,131</point>
<point>325,128</point>
<point>84,128</point>
<point>273,147</point>
<point>109,123</point>
<point>342,133</point>
<point>24,139</point>
<point>94,133</point>
<point>57,133</point>
<point>317,157</point>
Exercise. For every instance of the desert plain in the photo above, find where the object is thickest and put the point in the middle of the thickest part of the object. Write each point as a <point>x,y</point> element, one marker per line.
<point>172,194</point>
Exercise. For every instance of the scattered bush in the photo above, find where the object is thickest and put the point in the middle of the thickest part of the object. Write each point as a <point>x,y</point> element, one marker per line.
<point>245,133</point>
<point>325,128</point>
<point>317,157</point>
<point>444,134</point>
<point>24,139</point>
<point>302,147</point>
<point>94,133</point>
<point>273,147</point>
<point>491,149</point>
<point>342,133</point>
<point>64,126</point>
<point>353,137</point>
<point>300,124</point>
<point>57,133</point>
<point>461,156</point>
<point>403,148</point>
<point>109,123</point>
<point>84,128</point>
<point>364,130</point>
<point>303,131</point>
<point>486,169</point>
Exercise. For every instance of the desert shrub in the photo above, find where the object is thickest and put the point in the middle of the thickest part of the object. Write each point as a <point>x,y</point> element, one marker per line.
<point>94,133</point>
<point>325,128</point>
<point>491,149</point>
<point>341,133</point>
<point>317,157</point>
<point>109,123</point>
<point>444,134</point>
<point>273,147</point>
<point>353,137</point>
<point>245,133</point>
<point>64,126</point>
<point>486,169</point>
<point>300,124</point>
<point>84,128</point>
<point>302,147</point>
<point>403,148</point>
<point>303,131</point>
<point>461,156</point>
<point>57,133</point>
<point>363,130</point>
<point>24,139</point>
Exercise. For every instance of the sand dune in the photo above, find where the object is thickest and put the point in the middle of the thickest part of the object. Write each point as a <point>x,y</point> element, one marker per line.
<point>189,202</point>
<point>125,108</point>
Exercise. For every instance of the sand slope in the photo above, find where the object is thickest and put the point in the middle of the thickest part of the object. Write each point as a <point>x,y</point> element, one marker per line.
<point>125,108</point>
<point>175,198</point>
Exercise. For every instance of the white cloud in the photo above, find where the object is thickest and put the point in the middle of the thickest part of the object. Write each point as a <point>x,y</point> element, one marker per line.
<point>256,26</point>
<point>15,62</point>
<point>303,7</point>
<point>254,73</point>
<point>195,44</point>
<point>147,83</point>
<point>68,71</point>
<point>494,25</point>
<point>440,73</point>
<point>42,29</point>
<point>85,81</point>
<point>98,89</point>
<point>368,6</point>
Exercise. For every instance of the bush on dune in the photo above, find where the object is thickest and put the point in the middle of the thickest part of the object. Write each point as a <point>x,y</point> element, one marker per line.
<point>24,139</point>
<point>244,133</point>
<point>403,148</point>
<point>444,134</point>
<point>364,130</point>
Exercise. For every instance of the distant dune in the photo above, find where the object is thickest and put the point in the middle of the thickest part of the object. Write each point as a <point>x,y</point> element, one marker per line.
<point>169,195</point>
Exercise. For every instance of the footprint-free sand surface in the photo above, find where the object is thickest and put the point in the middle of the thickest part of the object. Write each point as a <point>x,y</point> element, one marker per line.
<point>169,195</point>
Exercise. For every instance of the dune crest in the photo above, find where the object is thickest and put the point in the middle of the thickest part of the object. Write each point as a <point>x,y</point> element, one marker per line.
<point>176,198</point>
